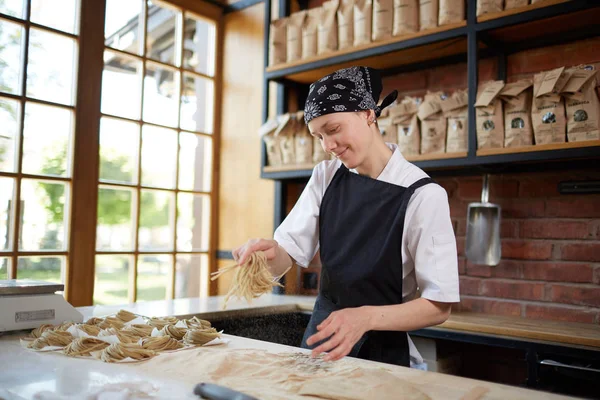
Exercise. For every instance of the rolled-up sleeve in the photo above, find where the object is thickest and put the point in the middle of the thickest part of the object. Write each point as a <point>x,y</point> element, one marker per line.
<point>432,245</point>
<point>298,234</point>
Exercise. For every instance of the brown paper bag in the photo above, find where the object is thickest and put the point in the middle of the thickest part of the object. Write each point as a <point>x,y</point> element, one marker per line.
<point>363,19</point>
<point>582,106</point>
<point>451,12</point>
<point>510,4</point>
<point>278,41</point>
<point>294,35</point>
<point>303,141</point>
<point>489,6</point>
<point>406,17</point>
<point>433,125</point>
<point>309,33</point>
<point>489,118</point>
<point>267,132</point>
<point>428,14</point>
<point>328,31</point>
<point>404,118</point>
<point>383,19</point>
<point>345,16</point>
<point>388,131</point>
<point>547,111</point>
<point>456,111</point>
<point>518,131</point>
<point>285,133</point>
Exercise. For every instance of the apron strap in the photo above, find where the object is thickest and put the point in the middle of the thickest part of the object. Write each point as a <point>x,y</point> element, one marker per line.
<point>420,182</point>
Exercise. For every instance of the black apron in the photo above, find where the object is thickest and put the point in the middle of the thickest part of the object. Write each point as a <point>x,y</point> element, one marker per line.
<point>361,222</point>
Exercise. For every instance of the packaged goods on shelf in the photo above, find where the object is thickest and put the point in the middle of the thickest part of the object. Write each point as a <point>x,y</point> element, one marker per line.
<point>383,19</point>
<point>363,21</point>
<point>294,35</point>
<point>548,107</point>
<point>456,111</point>
<point>428,14</point>
<point>489,117</point>
<point>328,31</point>
<point>406,17</point>
<point>309,33</point>
<point>433,124</point>
<point>386,128</point>
<point>582,105</point>
<point>489,6</point>
<point>303,141</point>
<point>517,96</point>
<point>404,119</point>
<point>285,132</point>
<point>345,20</point>
<point>278,41</point>
<point>510,4</point>
<point>267,132</point>
<point>451,12</point>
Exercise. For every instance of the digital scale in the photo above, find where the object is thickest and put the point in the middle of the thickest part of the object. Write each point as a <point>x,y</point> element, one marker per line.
<point>27,304</point>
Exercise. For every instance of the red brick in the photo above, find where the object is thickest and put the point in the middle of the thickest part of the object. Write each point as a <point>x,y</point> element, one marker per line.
<point>469,286</point>
<point>574,207</point>
<point>489,306</point>
<point>406,82</point>
<point>512,289</point>
<point>462,265</point>
<point>449,185</point>
<point>588,295</point>
<point>447,77</point>
<point>469,189</point>
<point>461,227</point>
<point>460,246</point>
<point>526,250</point>
<point>508,229</point>
<point>541,188</point>
<point>559,313</point>
<point>597,275</point>
<point>558,272</point>
<point>504,188</point>
<point>521,208</point>
<point>555,229</point>
<point>581,251</point>
<point>458,208</point>
<point>506,269</point>
<point>479,270</point>
<point>487,69</point>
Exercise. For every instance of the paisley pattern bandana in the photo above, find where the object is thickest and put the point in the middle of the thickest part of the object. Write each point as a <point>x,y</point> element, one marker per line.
<point>347,90</point>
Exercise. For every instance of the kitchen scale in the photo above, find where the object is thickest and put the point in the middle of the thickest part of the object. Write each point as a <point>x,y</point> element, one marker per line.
<point>27,304</point>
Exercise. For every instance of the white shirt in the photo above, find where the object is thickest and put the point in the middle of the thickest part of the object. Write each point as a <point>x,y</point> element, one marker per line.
<point>429,258</point>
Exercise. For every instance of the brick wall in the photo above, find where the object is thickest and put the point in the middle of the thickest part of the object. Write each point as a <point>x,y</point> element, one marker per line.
<point>550,266</point>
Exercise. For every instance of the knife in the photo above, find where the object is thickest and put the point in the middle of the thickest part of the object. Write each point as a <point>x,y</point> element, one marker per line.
<point>210,391</point>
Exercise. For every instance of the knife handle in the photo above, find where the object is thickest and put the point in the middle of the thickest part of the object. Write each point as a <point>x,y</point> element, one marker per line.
<point>212,391</point>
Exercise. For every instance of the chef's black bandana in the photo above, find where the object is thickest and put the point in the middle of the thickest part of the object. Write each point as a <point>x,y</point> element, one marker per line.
<point>347,90</point>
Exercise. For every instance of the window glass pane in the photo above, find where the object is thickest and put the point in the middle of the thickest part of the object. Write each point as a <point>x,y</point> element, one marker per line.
<point>122,29</point>
<point>11,48</point>
<point>44,215</point>
<point>119,143</point>
<point>49,269</point>
<point>9,133</point>
<point>111,285</point>
<point>193,222</point>
<point>161,42</point>
<point>5,263</point>
<point>191,276</point>
<point>58,14</point>
<point>51,67</point>
<point>197,104</point>
<point>47,140</point>
<point>199,45</point>
<point>161,94</point>
<point>159,157</point>
<point>116,209</point>
<point>154,277</point>
<point>7,201</point>
<point>195,162</point>
<point>15,8</point>
<point>121,86</point>
<point>156,220</point>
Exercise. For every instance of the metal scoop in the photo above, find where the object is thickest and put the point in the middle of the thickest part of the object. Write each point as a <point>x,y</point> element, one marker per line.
<point>483,230</point>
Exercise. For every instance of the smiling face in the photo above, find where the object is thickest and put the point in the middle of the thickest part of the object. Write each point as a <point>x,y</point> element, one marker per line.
<point>349,136</point>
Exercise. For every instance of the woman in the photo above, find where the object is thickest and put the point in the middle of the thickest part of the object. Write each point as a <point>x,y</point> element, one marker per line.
<point>381,224</point>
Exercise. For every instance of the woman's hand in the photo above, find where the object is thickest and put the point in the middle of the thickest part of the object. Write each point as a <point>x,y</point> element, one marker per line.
<point>343,328</point>
<point>242,253</point>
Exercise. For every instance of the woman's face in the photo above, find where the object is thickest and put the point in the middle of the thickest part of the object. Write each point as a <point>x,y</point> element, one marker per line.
<point>346,135</point>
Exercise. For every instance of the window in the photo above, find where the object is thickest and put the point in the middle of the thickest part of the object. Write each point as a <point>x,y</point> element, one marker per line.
<point>156,146</point>
<point>39,46</point>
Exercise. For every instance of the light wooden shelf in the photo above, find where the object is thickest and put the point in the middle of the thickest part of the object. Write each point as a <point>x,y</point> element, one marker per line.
<point>541,147</point>
<point>438,156</point>
<point>513,11</point>
<point>287,168</point>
